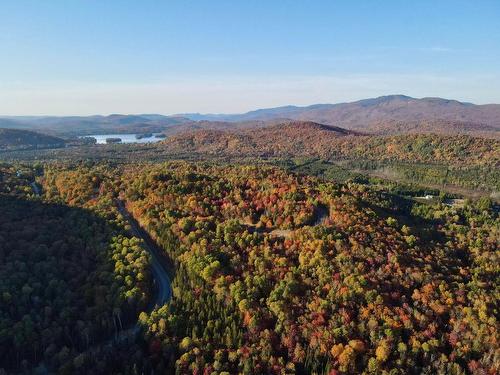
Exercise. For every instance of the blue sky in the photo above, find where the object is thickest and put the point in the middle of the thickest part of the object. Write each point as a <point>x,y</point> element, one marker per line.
<point>90,56</point>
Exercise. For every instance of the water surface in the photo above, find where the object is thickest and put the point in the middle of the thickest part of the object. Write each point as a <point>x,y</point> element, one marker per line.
<point>126,138</point>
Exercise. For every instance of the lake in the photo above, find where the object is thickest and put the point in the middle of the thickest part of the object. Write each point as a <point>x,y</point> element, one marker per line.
<point>126,138</point>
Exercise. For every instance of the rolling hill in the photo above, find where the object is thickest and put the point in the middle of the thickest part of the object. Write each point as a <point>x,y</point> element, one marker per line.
<point>309,139</point>
<point>11,139</point>
<point>290,138</point>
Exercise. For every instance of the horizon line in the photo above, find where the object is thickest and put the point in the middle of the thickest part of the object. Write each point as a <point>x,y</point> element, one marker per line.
<point>181,114</point>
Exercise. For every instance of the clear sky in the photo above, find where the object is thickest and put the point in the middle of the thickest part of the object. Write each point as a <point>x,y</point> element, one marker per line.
<point>82,57</point>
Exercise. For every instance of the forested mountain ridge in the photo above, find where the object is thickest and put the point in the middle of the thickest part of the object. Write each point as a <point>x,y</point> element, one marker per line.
<point>289,137</point>
<point>19,139</point>
<point>294,139</point>
<point>442,127</point>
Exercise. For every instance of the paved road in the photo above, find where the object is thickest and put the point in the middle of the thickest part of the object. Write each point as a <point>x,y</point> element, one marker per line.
<point>35,188</point>
<point>159,264</point>
<point>160,267</point>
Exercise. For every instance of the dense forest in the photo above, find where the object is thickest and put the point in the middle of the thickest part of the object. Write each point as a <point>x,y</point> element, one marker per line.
<point>274,272</point>
<point>299,139</point>
<point>460,163</point>
<point>378,286</point>
<point>474,180</point>
<point>247,188</point>
<point>70,276</point>
<point>12,139</point>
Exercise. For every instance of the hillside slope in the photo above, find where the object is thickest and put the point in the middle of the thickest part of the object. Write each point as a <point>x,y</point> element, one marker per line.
<point>294,139</point>
<point>18,139</point>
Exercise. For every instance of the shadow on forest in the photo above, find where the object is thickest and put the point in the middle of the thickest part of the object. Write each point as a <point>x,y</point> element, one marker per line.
<point>400,209</point>
<point>429,237</point>
<point>58,290</point>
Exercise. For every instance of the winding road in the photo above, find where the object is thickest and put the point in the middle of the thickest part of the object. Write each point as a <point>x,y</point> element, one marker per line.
<point>159,263</point>
<point>36,189</point>
<point>159,266</point>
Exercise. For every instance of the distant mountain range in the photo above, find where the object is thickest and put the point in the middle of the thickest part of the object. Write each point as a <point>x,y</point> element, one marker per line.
<point>69,126</point>
<point>387,115</point>
<point>370,115</point>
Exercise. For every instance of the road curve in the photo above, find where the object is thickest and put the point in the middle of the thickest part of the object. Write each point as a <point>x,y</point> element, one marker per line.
<point>159,265</point>
<point>36,189</point>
